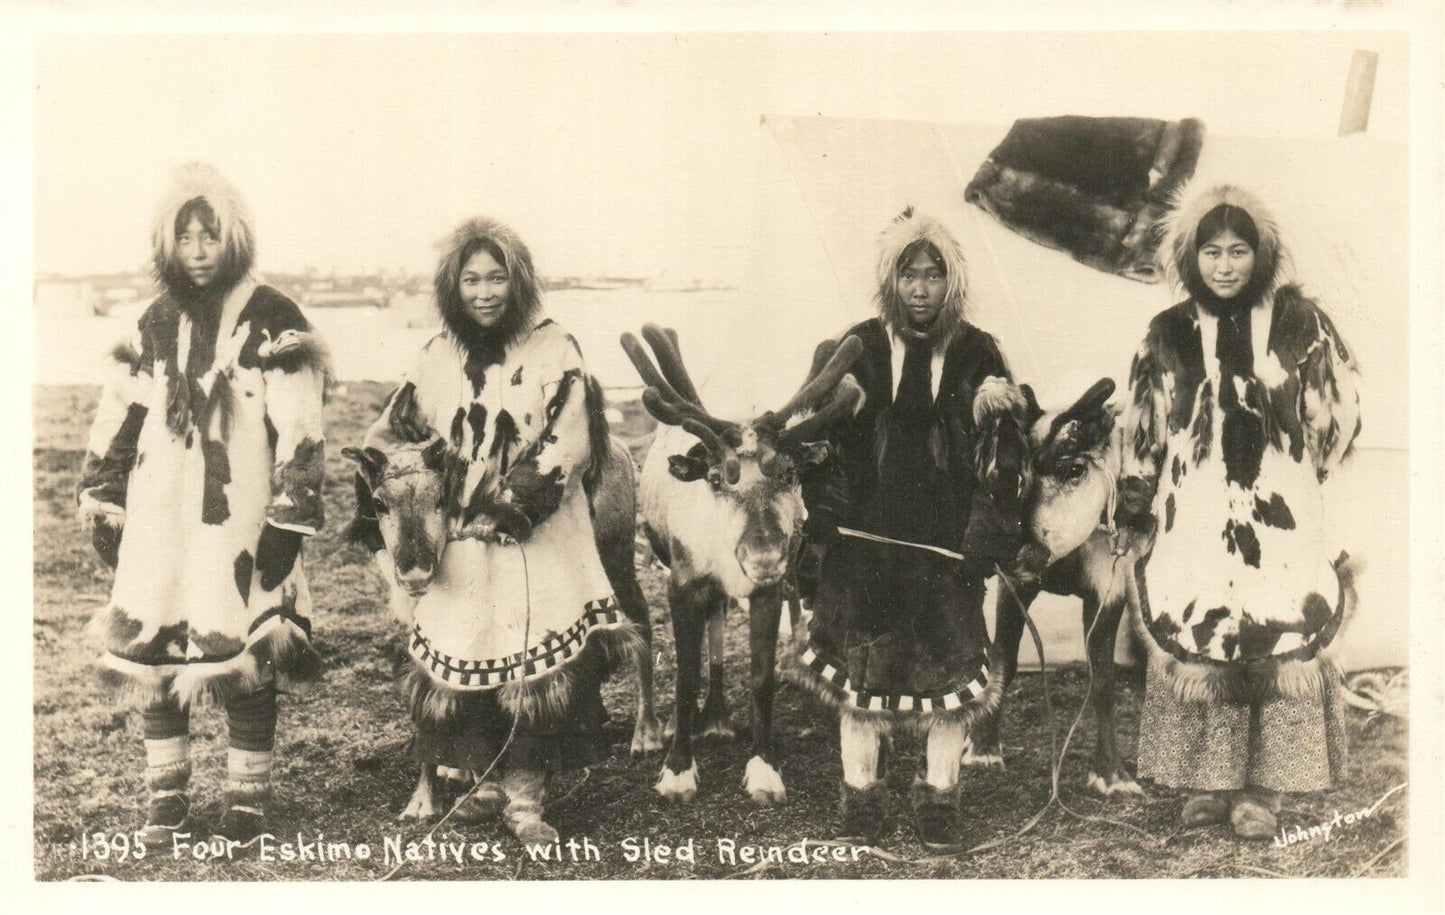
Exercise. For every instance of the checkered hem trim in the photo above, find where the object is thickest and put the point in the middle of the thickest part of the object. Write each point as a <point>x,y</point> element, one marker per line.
<point>895,702</point>
<point>551,652</point>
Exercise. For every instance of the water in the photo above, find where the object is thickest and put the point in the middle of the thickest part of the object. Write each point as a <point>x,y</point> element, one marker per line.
<point>370,344</point>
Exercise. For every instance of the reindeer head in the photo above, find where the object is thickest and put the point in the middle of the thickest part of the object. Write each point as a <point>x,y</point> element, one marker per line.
<point>1075,472</point>
<point>751,467</point>
<point>406,491</point>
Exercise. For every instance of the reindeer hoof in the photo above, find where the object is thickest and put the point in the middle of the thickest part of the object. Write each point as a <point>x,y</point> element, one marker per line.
<point>1117,784</point>
<point>987,758</point>
<point>718,728</point>
<point>418,809</point>
<point>647,736</point>
<point>763,783</point>
<point>455,775</point>
<point>678,787</point>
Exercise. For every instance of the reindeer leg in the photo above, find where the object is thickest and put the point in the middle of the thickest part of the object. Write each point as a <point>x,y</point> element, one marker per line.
<point>422,804</point>
<point>617,561</point>
<point>691,604</point>
<point>1107,775</point>
<point>982,749</point>
<point>762,781</point>
<point>715,719</point>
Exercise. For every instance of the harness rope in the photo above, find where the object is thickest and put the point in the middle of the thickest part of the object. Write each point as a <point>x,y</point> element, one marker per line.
<point>480,779</point>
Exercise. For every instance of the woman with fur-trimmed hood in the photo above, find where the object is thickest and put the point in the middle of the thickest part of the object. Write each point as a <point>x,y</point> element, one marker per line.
<point>520,624</point>
<point>932,458</point>
<point>202,476</point>
<point>1242,402</point>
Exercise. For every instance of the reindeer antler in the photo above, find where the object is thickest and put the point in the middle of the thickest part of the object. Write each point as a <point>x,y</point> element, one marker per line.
<point>669,359</point>
<point>667,405</point>
<point>825,379</point>
<point>846,397</point>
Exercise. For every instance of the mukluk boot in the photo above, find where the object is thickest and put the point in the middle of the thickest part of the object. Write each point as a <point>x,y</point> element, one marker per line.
<point>525,791</point>
<point>1254,813</point>
<point>935,816</point>
<point>167,776</point>
<point>865,813</point>
<point>480,802</point>
<point>248,790</point>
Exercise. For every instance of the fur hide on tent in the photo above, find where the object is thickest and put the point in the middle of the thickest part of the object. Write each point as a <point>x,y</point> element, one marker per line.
<point>1094,187</point>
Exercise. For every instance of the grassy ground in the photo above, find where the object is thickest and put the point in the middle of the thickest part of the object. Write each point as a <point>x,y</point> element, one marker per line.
<point>343,772</point>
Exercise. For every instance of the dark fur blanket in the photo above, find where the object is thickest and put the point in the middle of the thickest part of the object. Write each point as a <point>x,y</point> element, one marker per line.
<point>1094,187</point>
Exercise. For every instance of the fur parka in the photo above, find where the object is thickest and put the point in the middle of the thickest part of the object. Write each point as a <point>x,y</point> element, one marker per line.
<point>208,430</point>
<point>898,634</point>
<point>1227,438</point>
<point>524,430</point>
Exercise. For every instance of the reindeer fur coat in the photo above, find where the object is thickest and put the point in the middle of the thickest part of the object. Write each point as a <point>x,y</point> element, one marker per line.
<point>1227,452</point>
<point>898,633</point>
<point>209,428</point>
<point>524,427</point>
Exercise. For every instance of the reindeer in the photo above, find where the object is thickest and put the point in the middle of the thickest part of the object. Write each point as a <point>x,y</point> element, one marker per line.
<point>1076,456</point>
<point>723,509</point>
<point>406,491</point>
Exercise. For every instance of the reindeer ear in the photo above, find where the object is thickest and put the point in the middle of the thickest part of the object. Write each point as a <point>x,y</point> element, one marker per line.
<point>1032,410</point>
<point>369,461</point>
<point>687,467</point>
<point>434,455</point>
<point>810,454</point>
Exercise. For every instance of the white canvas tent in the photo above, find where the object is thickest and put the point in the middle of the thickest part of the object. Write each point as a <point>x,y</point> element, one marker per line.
<point>826,186</point>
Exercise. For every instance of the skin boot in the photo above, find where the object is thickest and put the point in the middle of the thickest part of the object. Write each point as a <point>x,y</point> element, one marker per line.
<point>169,810</point>
<point>525,790</point>
<point>865,794</point>
<point>167,775</point>
<point>248,789</point>
<point>1205,808</point>
<point>935,816</point>
<point>486,802</point>
<point>1254,813</point>
<point>865,814</point>
<point>251,731</point>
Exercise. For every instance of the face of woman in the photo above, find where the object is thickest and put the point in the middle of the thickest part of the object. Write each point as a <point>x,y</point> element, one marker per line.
<point>486,289</point>
<point>1226,262</point>
<point>922,285</point>
<point>199,251</point>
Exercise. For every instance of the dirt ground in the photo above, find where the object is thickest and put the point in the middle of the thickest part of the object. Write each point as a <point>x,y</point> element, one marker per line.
<point>343,771</point>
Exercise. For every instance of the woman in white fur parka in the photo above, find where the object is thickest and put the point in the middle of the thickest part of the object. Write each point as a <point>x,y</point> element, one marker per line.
<point>202,477</point>
<point>509,645</point>
<point>1242,402</point>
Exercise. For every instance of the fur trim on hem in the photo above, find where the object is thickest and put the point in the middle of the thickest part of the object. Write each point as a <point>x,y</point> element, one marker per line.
<point>890,721</point>
<point>283,653</point>
<point>1258,681</point>
<point>1262,680</point>
<point>538,699</point>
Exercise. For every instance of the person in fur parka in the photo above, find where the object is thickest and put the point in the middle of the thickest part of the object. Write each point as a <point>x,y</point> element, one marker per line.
<point>1243,401</point>
<point>520,592</point>
<point>897,638</point>
<point>202,477</point>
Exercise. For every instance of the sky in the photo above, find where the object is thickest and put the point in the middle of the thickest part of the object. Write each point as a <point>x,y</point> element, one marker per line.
<point>624,154</point>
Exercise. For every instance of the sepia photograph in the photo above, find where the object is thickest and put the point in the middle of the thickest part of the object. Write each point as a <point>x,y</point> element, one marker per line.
<point>617,443</point>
